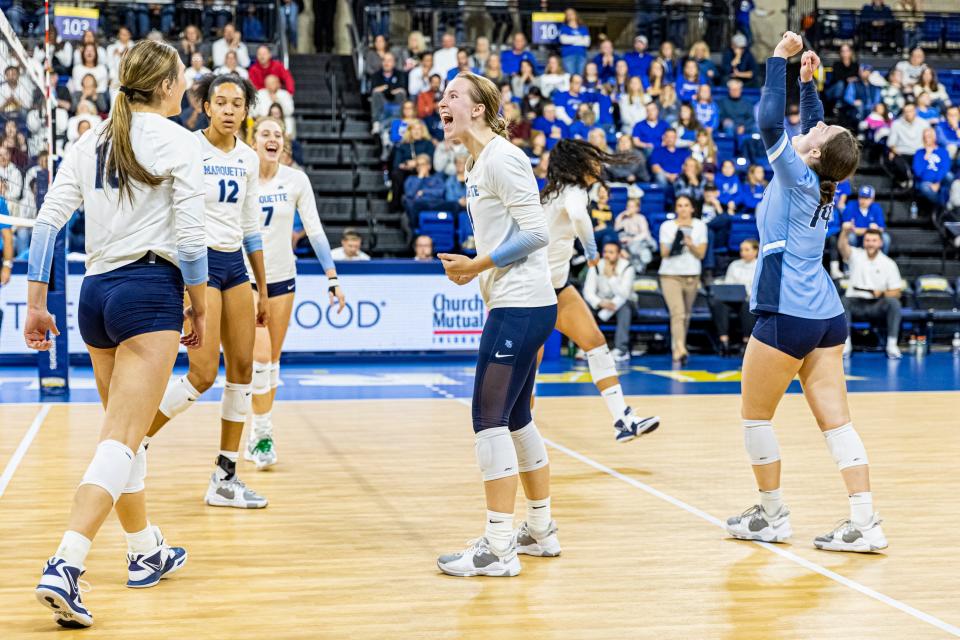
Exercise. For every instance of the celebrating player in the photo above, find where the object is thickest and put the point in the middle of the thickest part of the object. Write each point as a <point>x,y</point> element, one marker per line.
<point>801,329</point>
<point>141,223</point>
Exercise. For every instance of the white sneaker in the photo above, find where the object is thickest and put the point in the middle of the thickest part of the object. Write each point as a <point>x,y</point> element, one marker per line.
<point>756,524</point>
<point>620,356</point>
<point>850,537</point>
<point>232,493</point>
<point>59,590</point>
<point>260,450</point>
<point>478,559</point>
<point>893,352</point>
<point>546,545</point>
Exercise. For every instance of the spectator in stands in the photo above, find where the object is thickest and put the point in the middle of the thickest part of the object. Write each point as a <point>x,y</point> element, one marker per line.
<point>860,96</point>
<point>648,133</point>
<point>948,133</point>
<point>731,191</point>
<point>668,58</point>
<point>510,59</point>
<point>754,187</point>
<point>419,77</point>
<point>231,64</point>
<point>740,272</point>
<point>687,127</point>
<point>428,99</point>
<point>736,114</point>
<point>666,161</point>
<point>602,216</point>
<point>493,72</point>
<point>638,60</point>
<point>552,127</point>
<point>597,138</point>
<point>580,128</point>
<point>591,77</point>
<point>706,110</point>
<point>217,15</point>
<point>272,93</point>
<point>90,64</point>
<point>89,90</point>
<point>525,79</point>
<point>289,14</point>
<point>415,141</point>
<point>574,42</point>
<point>266,65</point>
<point>874,286</point>
<point>845,71</point>
<point>704,151</point>
<point>455,186</point>
<point>532,104</point>
<point>537,148</point>
<point>196,69</point>
<point>905,139</point>
<point>88,37</point>
<point>252,26</point>
<point>928,83</point>
<point>689,83</point>
<point>632,105</point>
<point>445,58</point>
<point>192,116</point>
<point>373,58</point>
<point>617,85</point>
<point>462,66</point>
<point>606,61</point>
<point>350,247</point>
<point>683,244</point>
<point>738,63</point>
<point>191,43</point>
<point>398,126</point>
<point>445,156</point>
<point>863,215</point>
<point>16,142</point>
<point>877,125</point>
<point>632,165</point>
<point>481,53</point>
<point>892,94</point>
<point>14,94</point>
<point>422,191</point>
<point>911,69</point>
<point>388,86</point>
<point>518,128</point>
<point>423,249</point>
<point>608,290</point>
<point>411,55</point>
<point>690,183</point>
<point>931,164</point>
<point>554,77</point>
<point>230,42</point>
<point>700,53</point>
<point>118,48</point>
<point>877,23</point>
<point>669,105</point>
<point>634,234</point>
<point>655,80</point>
<point>10,177</point>
<point>926,110</point>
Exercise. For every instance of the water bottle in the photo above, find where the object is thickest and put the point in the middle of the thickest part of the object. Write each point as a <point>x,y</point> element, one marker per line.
<point>955,343</point>
<point>913,210</point>
<point>921,346</point>
<point>913,344</point>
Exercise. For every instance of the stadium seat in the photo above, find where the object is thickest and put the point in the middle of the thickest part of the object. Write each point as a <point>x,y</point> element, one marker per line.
<point>654,198</point>
<point>742,227</point>
<point>931,32</point>
<point>951,36</point>
<point>465,234</point>
<point>618,199</point>
<point>651,307</point>
<point>726,147</point>
<point>439,226</point>
<point>655,219</point>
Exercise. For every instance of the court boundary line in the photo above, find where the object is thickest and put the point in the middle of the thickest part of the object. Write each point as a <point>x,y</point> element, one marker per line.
<point>21,451</point>
<point>773,548</point>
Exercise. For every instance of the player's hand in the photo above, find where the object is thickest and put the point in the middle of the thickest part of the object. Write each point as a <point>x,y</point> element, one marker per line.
<point>457,265</point>
<point>263,309</point>
<point>790,45</point>
<point>461,280</point>
<point>194,326</point>
<point>35,328</point>
<point>4,276</point>
<point>337,297</point>
<point>809,63</point>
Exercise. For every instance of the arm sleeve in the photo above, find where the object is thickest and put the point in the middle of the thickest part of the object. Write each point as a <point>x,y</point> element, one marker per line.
<point>811,109</point>
<point>576,207</point>
<point>515,185</point>
<point>310,217</point>
<point>188,212</point>
<point>250,218</point>
<point>773,103</point>
<point>62,200</point>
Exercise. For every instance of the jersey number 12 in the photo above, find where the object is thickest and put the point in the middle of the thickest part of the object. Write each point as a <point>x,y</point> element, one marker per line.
<point>231,195</point>
<point>824,212</point>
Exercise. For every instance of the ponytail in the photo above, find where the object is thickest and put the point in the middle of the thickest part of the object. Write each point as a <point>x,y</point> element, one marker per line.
<point>499,127</point>
<point>121,160</point>
<point>839,159</point>
<point>828,190</point>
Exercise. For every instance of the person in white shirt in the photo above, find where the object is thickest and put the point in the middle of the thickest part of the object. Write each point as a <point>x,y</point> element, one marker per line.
<point>11,180</point>
<point>423,249</point>
<point>90,64</point>
<point>575,166</point>
<point>510,230</point>
<point>15,93</point>
<point>144,242</point>
<point>608,289</point>
<point>231,173</point>
<point>349,249</point>
<point>739,272</point>
<point>874,286</point>
<point>683,243</point>
<point>445,58</point>
<point>272,93</point>
<point>905,139</point>
<point>231,64</point>
<point>910,70</point>
<point>284,192</point>
<point>230,42</point>
<point>418,78</point>
<point>119,48</point>
<point>196,69</point>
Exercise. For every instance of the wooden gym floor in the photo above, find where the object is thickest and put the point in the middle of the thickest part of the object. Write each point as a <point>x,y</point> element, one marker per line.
<point>368,493</point>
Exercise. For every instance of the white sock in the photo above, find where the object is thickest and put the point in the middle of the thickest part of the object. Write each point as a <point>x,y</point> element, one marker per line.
<point>538,515</point>
<point>616,405</point>
<point>142,541</point>
<point>892,344</point>
<point>848,345</point>
<point>499,531</point>
<point>861,508</point>
<point>146,442</point>
<point>74,548</point>
<point>771,501</point>
<point>229,469</point>
<point>261,424</point>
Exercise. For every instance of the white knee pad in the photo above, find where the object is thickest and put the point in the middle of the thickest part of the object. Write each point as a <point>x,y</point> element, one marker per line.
<point>760,442</point>
<point>601,364</point>
<point>235,404</point>
<point>178,397</point>
<point>274,375</point>
<point>846,447</point>
<point>531,452</point>
<point>138,472</point>
<point>110,467</point>
<point>495,453</point>
<point>261,378</point>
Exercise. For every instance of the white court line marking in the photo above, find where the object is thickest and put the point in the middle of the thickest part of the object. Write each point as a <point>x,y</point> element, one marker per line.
<point>21,451</point>
<point>773,548</point>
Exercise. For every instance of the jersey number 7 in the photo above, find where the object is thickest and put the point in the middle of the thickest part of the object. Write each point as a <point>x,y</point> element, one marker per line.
<point>269,212</point>
<point>824,212</point>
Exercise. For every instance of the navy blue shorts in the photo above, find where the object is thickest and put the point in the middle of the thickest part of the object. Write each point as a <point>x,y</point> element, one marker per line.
<point>226,269</point>
<point>281,288</point>
<point>797,337</point>
<point>141,297</point>
<point>507,365</point>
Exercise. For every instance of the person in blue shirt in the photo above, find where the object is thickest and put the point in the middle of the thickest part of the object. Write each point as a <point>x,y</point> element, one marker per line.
<point>463,65</point>
<point>801,327</point>
<point>510,59</point>
<point>638,60</point>
<point>422,191</point>
<point>606,62</point>
<point>585,122</point>
<point>666,161</point>
<point>574,42</point>
<point>706,110</point>
<point>648,133</point>
<point>570,101</point>
<point>864,213</point>
<point>552,127</point>
<point>744,9</point>
<point>700,52</point>
<point>860,96</point>
<point>926,109</point>
<point>931,164</point>
<point>738,63</point>
<point>948,133</point>
<point>731,191</point>
<point>753,188</point>
<point>689,82</point>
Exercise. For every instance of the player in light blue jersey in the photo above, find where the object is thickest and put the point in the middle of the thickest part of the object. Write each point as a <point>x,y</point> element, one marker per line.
<point>801,327</point>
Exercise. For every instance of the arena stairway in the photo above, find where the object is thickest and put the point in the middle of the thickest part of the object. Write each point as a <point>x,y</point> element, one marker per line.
<point>340,156</point>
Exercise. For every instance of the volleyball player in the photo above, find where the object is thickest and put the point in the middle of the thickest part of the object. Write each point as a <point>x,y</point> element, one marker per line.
<point>283,192</point>
<point>511,234</point>
<point>801,329</point>
<point>231,173</point>
<point>141,224</point>
<point>575,166</point>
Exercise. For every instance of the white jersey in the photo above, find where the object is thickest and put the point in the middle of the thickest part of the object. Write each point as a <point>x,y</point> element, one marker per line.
<point>568,219</point>
<point>288,192</point>
<point>232,189</point>
<point>161,219</point>
<point>502,198</point>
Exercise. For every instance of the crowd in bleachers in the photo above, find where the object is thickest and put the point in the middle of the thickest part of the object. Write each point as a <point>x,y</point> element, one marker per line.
<point>685,127</point>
